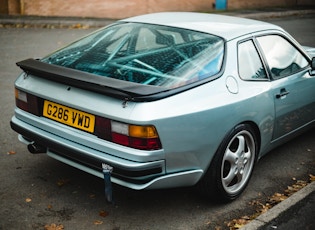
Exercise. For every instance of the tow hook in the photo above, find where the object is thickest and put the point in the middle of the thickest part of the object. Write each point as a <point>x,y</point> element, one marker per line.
<point>107,170</point>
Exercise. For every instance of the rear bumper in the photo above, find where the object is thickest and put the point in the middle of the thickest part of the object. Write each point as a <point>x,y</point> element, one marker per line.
<point>131,174</point>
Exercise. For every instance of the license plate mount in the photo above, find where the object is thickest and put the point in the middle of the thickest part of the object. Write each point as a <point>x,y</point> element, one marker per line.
<point>69,116</point>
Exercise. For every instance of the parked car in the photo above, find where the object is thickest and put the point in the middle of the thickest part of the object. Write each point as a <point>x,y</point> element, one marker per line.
<point>168,99</point>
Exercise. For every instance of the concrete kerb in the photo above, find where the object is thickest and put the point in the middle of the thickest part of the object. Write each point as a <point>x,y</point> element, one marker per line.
<point>55,22</point>
<point>274,212</point>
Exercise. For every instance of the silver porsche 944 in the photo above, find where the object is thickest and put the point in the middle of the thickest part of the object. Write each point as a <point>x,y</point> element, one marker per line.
<point>168,100</point>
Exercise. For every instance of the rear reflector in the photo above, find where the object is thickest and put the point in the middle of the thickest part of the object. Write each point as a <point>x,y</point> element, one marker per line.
<point>27,102</point>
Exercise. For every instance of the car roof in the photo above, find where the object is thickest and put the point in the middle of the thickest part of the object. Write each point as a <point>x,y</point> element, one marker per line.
<point>227,27</point>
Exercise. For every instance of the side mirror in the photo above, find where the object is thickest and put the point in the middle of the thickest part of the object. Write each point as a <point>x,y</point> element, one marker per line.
<point>312,71</point>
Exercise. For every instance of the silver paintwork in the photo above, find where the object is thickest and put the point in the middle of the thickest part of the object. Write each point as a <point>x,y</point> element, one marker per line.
<point>191,124</point>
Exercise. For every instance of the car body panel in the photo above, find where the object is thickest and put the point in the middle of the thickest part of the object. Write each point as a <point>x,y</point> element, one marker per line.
<point>297,107</point>
<point>228,27</point>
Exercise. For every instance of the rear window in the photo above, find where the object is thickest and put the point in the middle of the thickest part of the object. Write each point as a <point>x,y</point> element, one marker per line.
<point>145,54</point>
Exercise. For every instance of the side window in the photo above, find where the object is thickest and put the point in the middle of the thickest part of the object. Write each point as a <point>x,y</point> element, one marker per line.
<point>249,63</point>
<point>282,57</point>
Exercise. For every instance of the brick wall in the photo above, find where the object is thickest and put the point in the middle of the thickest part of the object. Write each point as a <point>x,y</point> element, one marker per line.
<point>241,4</point>
<point>125,8</point>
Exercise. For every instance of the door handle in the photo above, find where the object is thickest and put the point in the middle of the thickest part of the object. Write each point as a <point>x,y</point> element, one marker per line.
<point>283,92</point>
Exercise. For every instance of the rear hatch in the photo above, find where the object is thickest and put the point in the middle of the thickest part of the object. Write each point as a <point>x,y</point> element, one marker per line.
<point>134,61</point>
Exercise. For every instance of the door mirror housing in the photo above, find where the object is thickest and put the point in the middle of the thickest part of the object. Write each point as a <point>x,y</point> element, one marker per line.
<point>312,71</point>
<point>313,63</point>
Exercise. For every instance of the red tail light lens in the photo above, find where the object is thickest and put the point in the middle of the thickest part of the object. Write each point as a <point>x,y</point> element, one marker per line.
<point>145,143</point>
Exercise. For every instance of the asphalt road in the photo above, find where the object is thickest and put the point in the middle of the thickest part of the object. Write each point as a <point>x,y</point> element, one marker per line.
<point>36,190</point>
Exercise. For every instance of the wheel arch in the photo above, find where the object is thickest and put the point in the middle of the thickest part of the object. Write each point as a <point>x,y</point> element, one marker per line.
<point>257,134</point>
<point>256,129</point>
<point>209,184</point>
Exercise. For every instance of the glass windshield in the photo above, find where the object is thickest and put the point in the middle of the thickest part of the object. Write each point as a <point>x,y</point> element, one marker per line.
<point>145,54</point>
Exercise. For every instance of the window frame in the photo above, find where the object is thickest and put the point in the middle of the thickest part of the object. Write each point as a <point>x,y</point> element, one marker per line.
<point>261,58</point>
<point>291,42</point>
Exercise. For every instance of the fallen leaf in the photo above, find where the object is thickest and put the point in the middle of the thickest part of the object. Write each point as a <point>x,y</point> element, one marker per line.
<point>246,217</point>
<point>77,26</point>
<point>11,152</point>
<point>208,223</point>
<point>277,198</point>
<point>98,222</point>
<point>238,223</point>
<point>255,215</point>
<point>295,187</point>
<point>103,213</point>
<point>62,182</point>
<point>238,226</point>
<point>53,227</point>
<point>27,200</point>
<point>312,177</point>
<point>264,208</point>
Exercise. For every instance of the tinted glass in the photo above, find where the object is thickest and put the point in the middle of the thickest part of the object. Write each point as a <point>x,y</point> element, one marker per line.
<point>145,54</point>
<point>282,57</point>
<point>249,63</point>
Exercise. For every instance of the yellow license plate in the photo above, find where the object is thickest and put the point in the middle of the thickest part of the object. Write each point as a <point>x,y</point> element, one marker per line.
<point>69,116</point>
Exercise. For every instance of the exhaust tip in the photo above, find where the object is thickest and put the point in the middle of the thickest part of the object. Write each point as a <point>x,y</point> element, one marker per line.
<point>36,148</point>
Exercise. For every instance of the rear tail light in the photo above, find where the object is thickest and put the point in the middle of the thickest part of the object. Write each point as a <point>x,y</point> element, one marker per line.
<point>135,136</point>
<point>143,137</point>
<point>27,102</point>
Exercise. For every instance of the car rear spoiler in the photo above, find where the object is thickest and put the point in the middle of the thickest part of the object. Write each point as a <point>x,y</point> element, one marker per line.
<point>104,85</point>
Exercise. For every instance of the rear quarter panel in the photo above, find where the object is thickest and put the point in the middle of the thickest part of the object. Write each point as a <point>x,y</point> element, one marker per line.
<point>192,124</point>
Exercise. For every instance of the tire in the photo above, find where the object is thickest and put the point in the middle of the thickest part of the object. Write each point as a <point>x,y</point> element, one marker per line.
<point>232,165</point>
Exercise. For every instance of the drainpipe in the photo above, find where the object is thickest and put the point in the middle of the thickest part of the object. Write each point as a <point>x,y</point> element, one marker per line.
<point>221,4</point>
